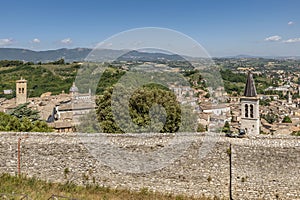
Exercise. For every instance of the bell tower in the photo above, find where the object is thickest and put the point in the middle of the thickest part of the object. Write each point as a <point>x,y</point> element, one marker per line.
<point>250,108</point>
<point>21,91</point>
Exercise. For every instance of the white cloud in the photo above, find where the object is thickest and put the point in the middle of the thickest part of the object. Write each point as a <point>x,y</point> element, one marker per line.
<point>291,23</point>
<point>66,41</point>
<point>36,40</point>
<point>273,38</point>
<point>292,40</point>
<point>6,41</point>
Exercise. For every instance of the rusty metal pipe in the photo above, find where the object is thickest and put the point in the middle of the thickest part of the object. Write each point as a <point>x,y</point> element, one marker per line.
<point>19,156</point>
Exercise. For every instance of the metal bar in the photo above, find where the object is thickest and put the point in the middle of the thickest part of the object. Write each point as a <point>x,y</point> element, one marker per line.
<point>230,172</point>
<point>19,156</point>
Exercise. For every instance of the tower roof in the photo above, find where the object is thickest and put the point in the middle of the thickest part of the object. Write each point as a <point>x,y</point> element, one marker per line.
<point>250,90</point>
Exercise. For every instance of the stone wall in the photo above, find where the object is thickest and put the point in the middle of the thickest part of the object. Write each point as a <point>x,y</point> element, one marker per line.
<point>263,167</point>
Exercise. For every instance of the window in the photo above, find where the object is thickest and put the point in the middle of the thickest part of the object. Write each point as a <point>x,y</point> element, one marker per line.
<point>19,90</point>
<point>246,110</point>
<point>251,111</point>
<point>22,90</point>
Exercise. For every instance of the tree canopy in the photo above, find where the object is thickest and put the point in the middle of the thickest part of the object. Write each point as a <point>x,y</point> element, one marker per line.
<point>12,123</point>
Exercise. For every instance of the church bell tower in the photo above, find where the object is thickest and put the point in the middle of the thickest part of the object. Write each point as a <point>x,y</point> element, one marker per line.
<point>21,91</point>
<point>250,108</point>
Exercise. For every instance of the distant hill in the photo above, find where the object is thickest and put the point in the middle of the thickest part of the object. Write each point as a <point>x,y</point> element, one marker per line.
<point>69,55</point>
<point>145,56</point>
<point>79,54</point>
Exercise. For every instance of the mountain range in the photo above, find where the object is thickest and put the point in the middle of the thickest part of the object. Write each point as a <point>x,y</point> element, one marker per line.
<point>80,54</point>
<point>69,55</point>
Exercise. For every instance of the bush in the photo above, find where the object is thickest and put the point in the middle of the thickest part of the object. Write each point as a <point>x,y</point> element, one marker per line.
<point>201,128</point>
<point>286,119</point>
<point>295,133</point>
<point>226,127</point>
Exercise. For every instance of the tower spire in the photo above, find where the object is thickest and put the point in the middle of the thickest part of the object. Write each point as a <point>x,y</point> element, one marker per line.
<point>250,90</point>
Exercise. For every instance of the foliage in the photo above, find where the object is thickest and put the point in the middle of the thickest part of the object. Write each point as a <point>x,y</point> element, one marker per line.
<point>231,79</point>
<point>226,127</point>
<point>201,128</point>
<point>89,123</point>
<point>22,111</point>
<point>58,62</point>
<point>151,108</point>
<point>104,113</point>
<point>270,118</point>
<point>235,82</point>
<point>228,75</point>
<point>12,123</point>
<point>140,105</point>
<point>194,77</point>
<point>264,102</point>
<point>295,133</point>
<point>108,78</point>
<point>9,63</point>
<point>286,119</point>
<point>41,78</point>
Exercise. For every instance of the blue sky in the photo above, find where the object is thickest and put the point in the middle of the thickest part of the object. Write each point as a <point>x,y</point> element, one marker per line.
<point>256,27</point>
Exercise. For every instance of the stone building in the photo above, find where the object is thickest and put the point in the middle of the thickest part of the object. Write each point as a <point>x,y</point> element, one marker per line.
<point>250,108</point>
<point>21,91</point>
<point>66,114</point>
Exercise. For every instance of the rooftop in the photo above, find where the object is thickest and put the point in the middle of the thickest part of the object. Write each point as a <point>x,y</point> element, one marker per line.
<point>250,90</point>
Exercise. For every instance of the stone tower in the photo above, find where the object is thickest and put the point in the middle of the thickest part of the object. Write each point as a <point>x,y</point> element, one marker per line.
<point>250,108</point>
<point>21,91</point>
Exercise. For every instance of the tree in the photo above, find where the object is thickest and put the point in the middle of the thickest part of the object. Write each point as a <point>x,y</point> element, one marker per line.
<point>12,123</point>
<point>89,123</point>
<point>286,119</point>
<point>295,133</point>
<point>58,62</point>
<point>226,127</point>
<point>22,111</point>
<point>143,111</point>
<point>270,118</point>
<point>201,128</point>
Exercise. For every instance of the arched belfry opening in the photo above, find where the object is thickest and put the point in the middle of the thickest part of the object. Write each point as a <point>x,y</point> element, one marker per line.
<point>21,91</point>
<point>250,107</point>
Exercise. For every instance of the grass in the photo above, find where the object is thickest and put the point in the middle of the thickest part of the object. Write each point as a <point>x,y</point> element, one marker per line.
<point>17,187</point>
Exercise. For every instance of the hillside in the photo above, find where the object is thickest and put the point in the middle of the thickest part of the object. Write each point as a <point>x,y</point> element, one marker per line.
<point>79,54</point>
<point>69,55</point>
<point>41,78</point>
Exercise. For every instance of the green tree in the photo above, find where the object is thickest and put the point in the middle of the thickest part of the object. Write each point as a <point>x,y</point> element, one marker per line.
<point>270,118</point>
<point>286,119</point>
<point>89,123</point>
<point>226,127</point>
<point>143,111</point>
<point>22,111</point>
<point>12,123</point>
<point>201,128</point>
<point>26,125</point>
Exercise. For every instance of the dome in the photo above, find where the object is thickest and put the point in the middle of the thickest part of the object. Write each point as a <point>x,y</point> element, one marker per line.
<point>73,88</point>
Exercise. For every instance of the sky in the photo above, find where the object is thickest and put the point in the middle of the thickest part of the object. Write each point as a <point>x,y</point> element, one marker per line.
<point>223,28</point>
